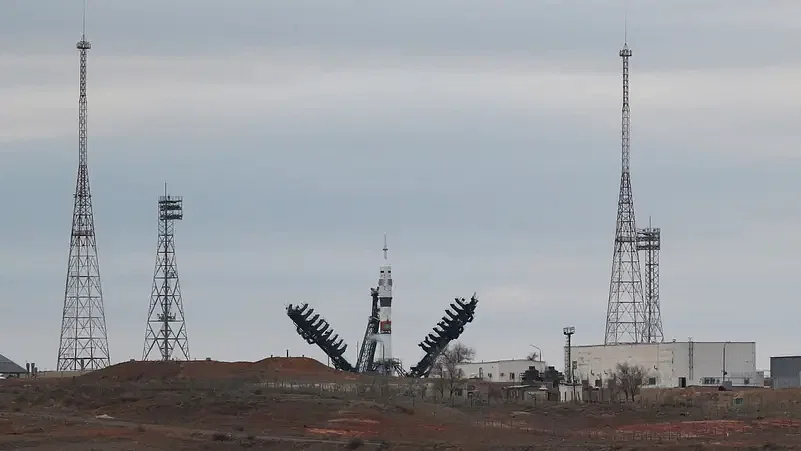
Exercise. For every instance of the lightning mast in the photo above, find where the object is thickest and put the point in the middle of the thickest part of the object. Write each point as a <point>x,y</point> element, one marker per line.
<point>166,326</point>
<point>84,341</point>
<point>626,311</point>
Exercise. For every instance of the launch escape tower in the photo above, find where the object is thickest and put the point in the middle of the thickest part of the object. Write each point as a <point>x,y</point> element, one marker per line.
<point>166,326</point>
<point>84,341</point>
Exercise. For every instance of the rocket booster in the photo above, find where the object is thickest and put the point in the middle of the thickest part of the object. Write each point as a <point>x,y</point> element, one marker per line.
<point>385,300</point>
<point>385,305</point>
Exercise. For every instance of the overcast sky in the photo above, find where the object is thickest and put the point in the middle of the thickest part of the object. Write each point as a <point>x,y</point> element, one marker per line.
<point>482,136</point>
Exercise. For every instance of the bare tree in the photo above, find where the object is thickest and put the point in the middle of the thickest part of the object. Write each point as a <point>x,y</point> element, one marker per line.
<point>438,374</point>
<point>613,387</point>
<point>447,367</point>
<point>629,378</point>
<point>534,356</point>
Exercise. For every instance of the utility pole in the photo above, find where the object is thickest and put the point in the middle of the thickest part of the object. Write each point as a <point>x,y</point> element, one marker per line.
<point>568,332</point>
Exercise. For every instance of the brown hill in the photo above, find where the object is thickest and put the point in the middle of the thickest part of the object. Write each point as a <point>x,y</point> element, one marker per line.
<point>300,368</point>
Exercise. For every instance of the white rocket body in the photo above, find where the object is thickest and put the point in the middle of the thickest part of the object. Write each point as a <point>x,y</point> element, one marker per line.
<point>385,311</point>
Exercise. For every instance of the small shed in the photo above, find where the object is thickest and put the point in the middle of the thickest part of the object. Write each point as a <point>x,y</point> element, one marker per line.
<point>571,392</point>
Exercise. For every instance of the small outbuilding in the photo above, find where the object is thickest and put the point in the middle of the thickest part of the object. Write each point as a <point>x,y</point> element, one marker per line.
<point>785,371</point>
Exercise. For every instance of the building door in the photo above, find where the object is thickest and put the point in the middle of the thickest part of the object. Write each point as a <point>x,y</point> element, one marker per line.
<point>682,382</point>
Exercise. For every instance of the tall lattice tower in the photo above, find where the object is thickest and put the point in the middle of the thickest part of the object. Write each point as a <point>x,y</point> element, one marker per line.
<point>166,326</point>
<point>84,342</point>
<point>625,316</point>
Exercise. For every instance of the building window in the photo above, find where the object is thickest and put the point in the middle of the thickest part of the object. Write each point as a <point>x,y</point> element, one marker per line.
<point>489,375</point>
<point>501,374</point>
<point>651,381</point>
<point>511,376</point>
<point>747,381</point>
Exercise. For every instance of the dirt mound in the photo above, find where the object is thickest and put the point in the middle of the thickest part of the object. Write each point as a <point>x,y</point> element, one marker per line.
<point>273,367</point>
<point>134,371</point>
<point>296,365</point>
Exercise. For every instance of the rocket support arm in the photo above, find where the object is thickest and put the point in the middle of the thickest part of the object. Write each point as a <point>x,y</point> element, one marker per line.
<point>449,328</point>
<point>316,330</point>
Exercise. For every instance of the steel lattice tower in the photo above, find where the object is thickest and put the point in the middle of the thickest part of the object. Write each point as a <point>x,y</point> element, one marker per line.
<point>84,342</point>
<point>625,317</point>
<point>650,242</point>
<point>166,326</point>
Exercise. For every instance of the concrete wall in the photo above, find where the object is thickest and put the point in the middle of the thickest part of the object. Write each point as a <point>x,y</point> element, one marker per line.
<point>500,370</point>
<point>700,363</point>
<point>785,372</point>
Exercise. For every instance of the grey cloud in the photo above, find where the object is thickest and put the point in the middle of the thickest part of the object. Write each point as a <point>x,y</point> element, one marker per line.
<point>554,31</point>
<point>505,192</point>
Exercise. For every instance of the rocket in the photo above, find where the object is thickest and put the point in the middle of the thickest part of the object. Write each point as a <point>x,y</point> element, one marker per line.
<point>385,306</point>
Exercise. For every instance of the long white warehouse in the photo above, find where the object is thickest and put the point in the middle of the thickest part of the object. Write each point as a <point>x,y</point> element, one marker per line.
<point>510,370</point>
<point>672,364</point>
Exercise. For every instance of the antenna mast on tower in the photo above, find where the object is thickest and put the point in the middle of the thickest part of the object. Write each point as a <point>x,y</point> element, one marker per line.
<point>84,341</point>
<point>626,311</point>
<point>166,326</point>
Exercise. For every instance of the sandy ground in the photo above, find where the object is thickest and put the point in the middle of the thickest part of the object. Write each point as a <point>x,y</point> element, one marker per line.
<point>218,406</point>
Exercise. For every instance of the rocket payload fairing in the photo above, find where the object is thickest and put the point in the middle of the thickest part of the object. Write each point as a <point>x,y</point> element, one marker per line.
<point>385,306</point>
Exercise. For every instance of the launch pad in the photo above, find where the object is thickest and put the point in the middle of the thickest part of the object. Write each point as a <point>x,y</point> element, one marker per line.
<point>316,330</point>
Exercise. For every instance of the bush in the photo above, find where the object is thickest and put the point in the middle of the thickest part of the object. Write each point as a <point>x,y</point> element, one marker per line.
<point>355,443</point>
<point>220,437</point>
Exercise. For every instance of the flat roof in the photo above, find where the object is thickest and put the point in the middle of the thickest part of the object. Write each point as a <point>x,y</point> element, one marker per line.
<point>502,361</point>
<point>662,343</point>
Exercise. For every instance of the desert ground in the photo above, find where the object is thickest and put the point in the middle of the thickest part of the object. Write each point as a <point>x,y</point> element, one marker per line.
<point>299,403</point>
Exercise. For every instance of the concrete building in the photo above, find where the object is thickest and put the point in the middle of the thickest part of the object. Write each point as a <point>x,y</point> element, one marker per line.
<point>785,371</point>
<point>672,364</point>
<point>500,370</point>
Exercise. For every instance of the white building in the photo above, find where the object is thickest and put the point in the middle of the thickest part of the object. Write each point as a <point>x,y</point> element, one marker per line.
<point>673,364</point>
<point>500,370</point>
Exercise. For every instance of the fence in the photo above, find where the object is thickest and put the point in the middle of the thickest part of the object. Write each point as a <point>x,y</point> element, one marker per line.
<point>717,415</point>
<point>711,405</point>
